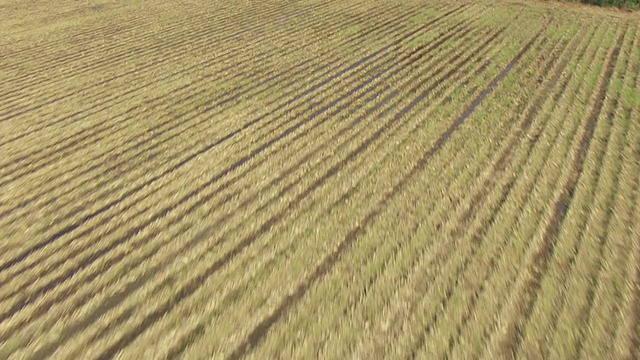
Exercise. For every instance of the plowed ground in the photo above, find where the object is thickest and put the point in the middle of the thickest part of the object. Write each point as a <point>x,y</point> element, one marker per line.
<point>302,179</point>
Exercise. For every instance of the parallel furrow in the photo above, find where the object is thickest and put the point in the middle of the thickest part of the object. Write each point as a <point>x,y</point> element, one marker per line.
<point>197,282</point>
<point>607,185</point>
<point>115,92</point>
<point>539,259</point>
<point>178,32</point>
<point>523,198</point>
<point>427,281</point>
<point>527,129</point>
<point>200,122</point>
<point>47,158</point>
<point>256,335</point>
<point>247,86</point>
<point>476,227</point>
<point>367,289</point>
<point>204,186</point>
<point>312,179</point>
<point>197,332</point>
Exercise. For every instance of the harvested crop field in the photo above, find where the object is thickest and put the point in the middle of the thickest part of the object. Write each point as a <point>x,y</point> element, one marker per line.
<point>318,179</point>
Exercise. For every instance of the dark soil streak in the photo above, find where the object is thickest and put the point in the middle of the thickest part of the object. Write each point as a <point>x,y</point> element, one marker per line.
<point>369,286</point>
<point>52,49</point>
<point>531,113</point>
<point>603,240</point>
<point>518,210</point>
<point>272,141</point>
<point>11,115</point>
<point>540,259</point>
<point>556,99</point>
<point>501,163</point>
<point>361,37</point>
<point>476,242</point>
<point>256,336</point>
<point>230,54</point>
<point>232,97</point>
<point>497,255</point>
<point>554,316</point>
<point>63,57</point>
<point>135,147</point>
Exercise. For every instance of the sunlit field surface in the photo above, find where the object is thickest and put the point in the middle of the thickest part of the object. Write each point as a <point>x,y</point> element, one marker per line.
<point>309,179</point>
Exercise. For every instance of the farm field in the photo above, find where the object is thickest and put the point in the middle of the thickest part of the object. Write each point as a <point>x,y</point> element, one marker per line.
<point>359,179</point>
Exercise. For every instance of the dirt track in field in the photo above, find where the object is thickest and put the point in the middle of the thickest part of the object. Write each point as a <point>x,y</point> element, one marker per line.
<point>307,179</point>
